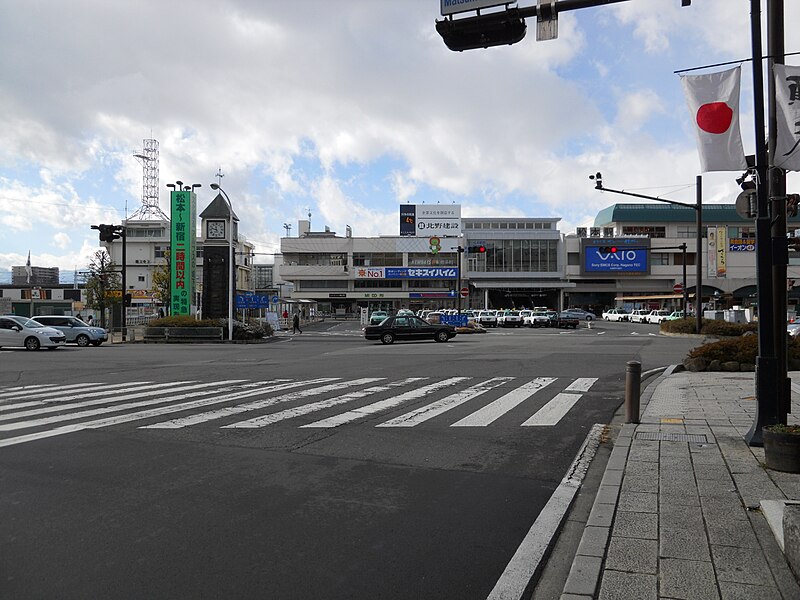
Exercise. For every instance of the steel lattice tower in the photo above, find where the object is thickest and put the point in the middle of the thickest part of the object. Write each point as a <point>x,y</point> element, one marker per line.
<point>150,210</point>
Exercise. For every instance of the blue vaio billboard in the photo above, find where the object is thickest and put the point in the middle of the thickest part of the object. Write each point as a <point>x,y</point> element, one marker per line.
<point>621,256</point>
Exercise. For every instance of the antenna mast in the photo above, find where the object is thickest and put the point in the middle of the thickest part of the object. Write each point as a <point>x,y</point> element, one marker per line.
<point>150,209</point>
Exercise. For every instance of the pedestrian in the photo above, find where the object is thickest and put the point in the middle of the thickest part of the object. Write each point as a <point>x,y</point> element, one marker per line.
<point>296,323</point>
<point>285,314</point>
<point>90,320</point>
<point>79,317</point>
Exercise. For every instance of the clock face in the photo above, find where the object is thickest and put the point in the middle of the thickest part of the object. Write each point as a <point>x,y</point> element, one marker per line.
<point>216,229</point>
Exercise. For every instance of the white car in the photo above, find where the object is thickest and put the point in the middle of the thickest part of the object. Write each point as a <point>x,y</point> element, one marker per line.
<point>30,334</point>
<point>509,318</point>
<point>488,318</point>
<point>656,316</point>
<point>536,319</point>
<point>639,315</point>
<point>616,314</point>
<point>581,314</point>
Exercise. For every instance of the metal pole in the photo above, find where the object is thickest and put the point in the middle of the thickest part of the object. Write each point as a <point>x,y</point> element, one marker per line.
<point>633,384</point>
<point>777,191</point>
<point>124,235</point>
<point>698,286</point>
<point>458,277</point>
<point>685,289</point>
<point>766,362</point>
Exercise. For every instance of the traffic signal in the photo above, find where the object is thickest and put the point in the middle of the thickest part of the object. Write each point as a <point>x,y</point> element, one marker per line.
<point>476,249</point>
<point>607,249</point>
<point>109,233</point>
<point>482,31</point>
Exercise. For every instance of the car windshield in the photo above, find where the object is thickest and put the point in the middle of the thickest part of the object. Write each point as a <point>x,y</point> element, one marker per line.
<point>29,323</point>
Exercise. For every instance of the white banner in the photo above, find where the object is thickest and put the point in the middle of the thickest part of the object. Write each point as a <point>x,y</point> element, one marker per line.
<point>787,100</point>
<point>711,238</point>
<point>713,102</point>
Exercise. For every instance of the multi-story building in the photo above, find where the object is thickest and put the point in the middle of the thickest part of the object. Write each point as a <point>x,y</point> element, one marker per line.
<point>38,276</point>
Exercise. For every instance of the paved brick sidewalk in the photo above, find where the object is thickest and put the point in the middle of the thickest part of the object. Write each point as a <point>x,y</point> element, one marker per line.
<point>678,513</point>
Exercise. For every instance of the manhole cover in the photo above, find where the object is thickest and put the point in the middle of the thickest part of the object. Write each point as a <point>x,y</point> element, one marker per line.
<point>661,436</point>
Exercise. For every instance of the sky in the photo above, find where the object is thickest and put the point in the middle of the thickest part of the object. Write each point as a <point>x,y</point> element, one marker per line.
<point>346,109</point>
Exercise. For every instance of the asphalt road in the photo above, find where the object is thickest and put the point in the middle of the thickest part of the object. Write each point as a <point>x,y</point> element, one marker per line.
<point>314,466</point>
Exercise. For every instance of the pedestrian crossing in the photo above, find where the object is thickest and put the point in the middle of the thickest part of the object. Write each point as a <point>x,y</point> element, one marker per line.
<point>30,413</point>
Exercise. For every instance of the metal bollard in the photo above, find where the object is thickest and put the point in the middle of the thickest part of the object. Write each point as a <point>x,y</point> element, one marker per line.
<point>633,384</point>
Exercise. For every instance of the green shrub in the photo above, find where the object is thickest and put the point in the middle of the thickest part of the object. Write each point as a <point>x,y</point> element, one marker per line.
<point>183,321</point>
<point>743,349</point>
<point>708,327</point>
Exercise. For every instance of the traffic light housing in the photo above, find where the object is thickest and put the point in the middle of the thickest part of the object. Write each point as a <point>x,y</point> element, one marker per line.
<point>109,233</point>
<point>480,249</point>
<point>494,29</point>
<point>607,249</point>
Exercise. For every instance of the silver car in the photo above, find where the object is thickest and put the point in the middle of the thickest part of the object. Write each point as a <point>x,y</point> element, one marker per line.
<point>22,331</point>
<point>76,331</point>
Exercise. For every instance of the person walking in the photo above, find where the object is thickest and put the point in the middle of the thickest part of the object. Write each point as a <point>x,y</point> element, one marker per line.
<point>296,323</point>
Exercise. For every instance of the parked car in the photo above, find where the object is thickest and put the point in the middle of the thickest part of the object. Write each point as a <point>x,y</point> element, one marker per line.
<point>408,328</point>
<point>377,316</point>
<point>566,319</point>
<point>616,314</point>
<point>509,318</point>
<point>536,319</point>
<point>488,318</point>
<point>656,316</point>
<point>674,316</point>
<point>793,329</point>
<point>639,315</point>
<point>583,315</point>
<point>75,330</point>
<point>405,312</point>
<point>30,334</point>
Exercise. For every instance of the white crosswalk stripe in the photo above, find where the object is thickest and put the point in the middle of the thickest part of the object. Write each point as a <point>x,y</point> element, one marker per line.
<point>370,409</point>
<point>42,409</point>
<point>45,391</point>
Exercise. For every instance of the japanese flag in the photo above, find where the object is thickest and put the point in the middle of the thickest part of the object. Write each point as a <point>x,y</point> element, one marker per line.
<point>787,102</point>
<point>713,101</point>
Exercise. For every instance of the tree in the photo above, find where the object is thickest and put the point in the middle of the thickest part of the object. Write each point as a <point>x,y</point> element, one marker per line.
<point>161,282</point>
<point>103,280</point>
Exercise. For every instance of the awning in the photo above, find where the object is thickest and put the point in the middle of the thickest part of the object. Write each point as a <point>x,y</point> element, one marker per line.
<point>520,284</point>
<point>654,297</point>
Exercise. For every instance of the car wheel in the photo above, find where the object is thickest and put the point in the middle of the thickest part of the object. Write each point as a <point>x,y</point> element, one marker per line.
<point>82,340</point>
<point>441,336</point>
<point>32,343</point>
<point>589,318</point>
<point>387,338</point>
<point>97,343</point>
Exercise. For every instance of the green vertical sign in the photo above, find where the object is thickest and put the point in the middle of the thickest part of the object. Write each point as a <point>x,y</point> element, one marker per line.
<point>183,213</point>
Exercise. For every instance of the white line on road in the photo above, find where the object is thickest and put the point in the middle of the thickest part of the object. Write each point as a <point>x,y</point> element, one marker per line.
<point>422,414</point>
<point>297,411</point>
<point>581,384</point>
<point>491,412</point>
<point>552,412</point>
<point>364,411</point>
<point>144,414</point>
<point>519,571</point>
<point>41,391</point>
<point>258,404</point>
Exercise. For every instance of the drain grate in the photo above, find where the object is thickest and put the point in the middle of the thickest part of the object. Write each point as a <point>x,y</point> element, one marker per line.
<point>660,436</point>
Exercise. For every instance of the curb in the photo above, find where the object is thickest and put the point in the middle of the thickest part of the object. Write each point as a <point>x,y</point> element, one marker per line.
<point>587,566</point>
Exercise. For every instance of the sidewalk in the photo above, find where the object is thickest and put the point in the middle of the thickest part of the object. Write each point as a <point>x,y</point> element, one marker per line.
<point>679,511</point>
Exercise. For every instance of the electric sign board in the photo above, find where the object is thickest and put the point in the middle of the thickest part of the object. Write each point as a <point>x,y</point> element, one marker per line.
<point>620,256</point>
<point>428,220</point>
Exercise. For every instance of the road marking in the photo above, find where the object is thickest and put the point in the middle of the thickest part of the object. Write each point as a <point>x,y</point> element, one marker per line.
<point>370,409</point>
<point>281,385</point>
<point>552,412</point>
<point>258,404</point>
<point>422,414</point>
<point>525,562</point>
<point>59,404</point>
<point>144,414</point>
<point>114,408</point>
<point>37,391</point>
<point>298,411</point>
<point>581,384</point>
<point>491,412</point>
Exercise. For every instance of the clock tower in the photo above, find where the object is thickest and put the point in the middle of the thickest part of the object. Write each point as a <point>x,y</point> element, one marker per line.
<point>220,228</point>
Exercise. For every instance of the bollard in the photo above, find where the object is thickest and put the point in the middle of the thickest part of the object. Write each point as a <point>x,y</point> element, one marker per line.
<point>633,384</point>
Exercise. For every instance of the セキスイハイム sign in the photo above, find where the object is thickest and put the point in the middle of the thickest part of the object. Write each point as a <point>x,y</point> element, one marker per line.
<point>451,7</point>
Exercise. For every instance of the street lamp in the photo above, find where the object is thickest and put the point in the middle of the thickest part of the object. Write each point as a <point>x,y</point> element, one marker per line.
<point>215,186</point>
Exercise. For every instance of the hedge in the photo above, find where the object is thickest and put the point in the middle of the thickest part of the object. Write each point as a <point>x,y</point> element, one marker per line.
<point>252,330</point>
<point>742,349</point>
<point>708,327</point>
